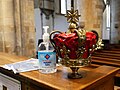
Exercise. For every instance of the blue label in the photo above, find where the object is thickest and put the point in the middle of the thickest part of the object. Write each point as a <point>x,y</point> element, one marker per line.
<point>47,59</point>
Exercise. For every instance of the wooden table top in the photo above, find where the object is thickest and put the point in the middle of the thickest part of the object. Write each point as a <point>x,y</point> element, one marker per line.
<point>59,79</point>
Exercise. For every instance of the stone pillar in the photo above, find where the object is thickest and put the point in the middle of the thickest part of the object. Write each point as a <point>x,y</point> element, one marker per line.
<point>17,24</point>
<point>115,21</point>
<point>27,27</point>
<point>7,26</point>
<point>2,48</point>
<point>91,14</point>
<point>17,32</point>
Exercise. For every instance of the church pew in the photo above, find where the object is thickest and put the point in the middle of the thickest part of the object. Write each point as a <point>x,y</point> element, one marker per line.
<point>106,61</point>
<point>108,51</point>
<point>109,62</point>
<point>115,54</point>
<point>107,55</point>
<point>114,46</point>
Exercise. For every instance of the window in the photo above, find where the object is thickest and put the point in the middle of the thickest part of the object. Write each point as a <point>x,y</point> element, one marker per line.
<point>107,14</point>
<point>62,6</point>
<point>105,1</point>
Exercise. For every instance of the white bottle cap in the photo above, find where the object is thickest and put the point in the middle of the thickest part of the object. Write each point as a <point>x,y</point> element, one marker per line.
<point>46,34</point>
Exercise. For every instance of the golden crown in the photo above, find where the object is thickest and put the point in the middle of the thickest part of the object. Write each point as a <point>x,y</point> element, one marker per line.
<point>75,46</point>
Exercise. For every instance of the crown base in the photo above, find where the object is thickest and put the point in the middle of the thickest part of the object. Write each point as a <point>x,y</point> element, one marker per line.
<point>76,62</point>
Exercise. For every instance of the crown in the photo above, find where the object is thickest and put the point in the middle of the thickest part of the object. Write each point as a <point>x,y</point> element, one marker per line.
<point>75,46</point>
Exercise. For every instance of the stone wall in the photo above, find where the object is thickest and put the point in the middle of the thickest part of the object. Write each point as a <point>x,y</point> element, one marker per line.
<point>17,32</point>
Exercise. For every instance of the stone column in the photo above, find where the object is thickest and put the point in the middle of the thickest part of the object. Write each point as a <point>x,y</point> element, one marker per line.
<point>17,26</point>
<point>7,26</point>
<point>2,46</point>
<point>27,27</point>
<point>115,22</point>
<point>17,32</point>
<point>91,14</point>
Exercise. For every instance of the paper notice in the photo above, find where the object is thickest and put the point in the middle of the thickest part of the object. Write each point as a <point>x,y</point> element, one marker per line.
<point>23,66</point>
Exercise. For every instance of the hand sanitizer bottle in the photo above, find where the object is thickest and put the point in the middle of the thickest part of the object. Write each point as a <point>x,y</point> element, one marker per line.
<point>46,54</point>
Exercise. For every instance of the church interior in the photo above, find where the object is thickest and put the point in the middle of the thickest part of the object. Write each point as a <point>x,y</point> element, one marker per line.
<point>21,31</point>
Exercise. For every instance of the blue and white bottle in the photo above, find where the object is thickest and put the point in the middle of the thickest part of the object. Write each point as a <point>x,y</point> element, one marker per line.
<point>46,55</point>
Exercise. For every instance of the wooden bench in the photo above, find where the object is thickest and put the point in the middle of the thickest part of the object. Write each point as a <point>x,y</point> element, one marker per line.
<point>106,61</point>
<point>107,57</point>
<point>110,57</point>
